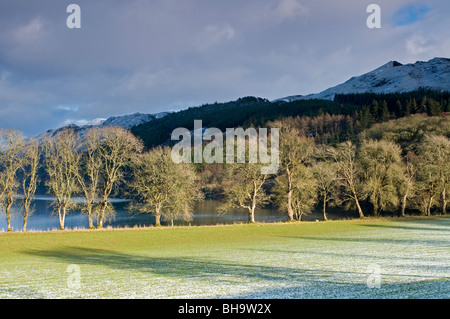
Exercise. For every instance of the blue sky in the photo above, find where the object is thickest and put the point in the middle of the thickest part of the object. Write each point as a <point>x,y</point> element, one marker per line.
<point>165,55</point>
<point>411,13</point>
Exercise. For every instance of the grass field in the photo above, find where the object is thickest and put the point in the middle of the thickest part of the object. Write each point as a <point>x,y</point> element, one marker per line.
<point>335,259</point>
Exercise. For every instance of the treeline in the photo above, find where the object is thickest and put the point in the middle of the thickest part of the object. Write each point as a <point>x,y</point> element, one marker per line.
<point>394,166</point>
<point>364,110</point>
<point>399,104</point>
<point>374,168</point>
<point>95,166</point>
<point>91,166</point>
<point>244,112</point>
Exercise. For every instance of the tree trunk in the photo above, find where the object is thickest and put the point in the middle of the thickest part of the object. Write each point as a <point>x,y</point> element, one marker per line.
<point>90,220</point>
<point>355,198</point>
<point>25,220</point>
<point>430,203</point>
<point>8,221</point>
<point>251,214</point>
<point>375,208</point>
<point>101,214</point>
<point>157,217</point>
<point>289,206</point>
<point>444,202</point>
<point>405,197</point>
<point>289,195</point>
<point>300,214</point>
<point>325,208</point>
<point>9,202</point>
<point>361,214</point>
<point>61,215</point>
<point>251,217</point>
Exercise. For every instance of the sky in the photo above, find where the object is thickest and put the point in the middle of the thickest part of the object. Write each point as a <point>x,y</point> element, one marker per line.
<point>152,56</point>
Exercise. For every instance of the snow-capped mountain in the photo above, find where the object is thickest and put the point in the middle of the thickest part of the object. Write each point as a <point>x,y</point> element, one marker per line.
<point>130,120</point>
<point>393,77</point>
<point>125,121</point>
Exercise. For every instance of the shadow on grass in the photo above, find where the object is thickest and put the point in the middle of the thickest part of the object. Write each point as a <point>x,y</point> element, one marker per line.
<point>183,267</point>
<point>376,258</point>
<point>410,290</point>
<point>445,226</point>
<point>417,241</point>
<point>297,282</point>
<point>335,254</point>
<point>22,293</point>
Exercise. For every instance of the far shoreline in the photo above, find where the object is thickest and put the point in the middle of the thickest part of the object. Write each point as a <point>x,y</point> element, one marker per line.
<point>370,219</point>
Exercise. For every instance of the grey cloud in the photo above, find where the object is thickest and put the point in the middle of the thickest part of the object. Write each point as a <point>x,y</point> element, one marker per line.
<point>157,55</point>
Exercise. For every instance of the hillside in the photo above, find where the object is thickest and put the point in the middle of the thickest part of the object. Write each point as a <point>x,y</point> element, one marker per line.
<point>126,121</point>
<point>365,110</point>
<point>392,77</point>
<point>410,131</point>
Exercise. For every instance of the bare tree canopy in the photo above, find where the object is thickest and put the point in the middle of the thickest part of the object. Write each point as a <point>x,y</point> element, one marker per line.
<point>116,150</point>
<point>12,148</point>
<point>61,163</point>
<point>30,177</point>
<point>164,188</point>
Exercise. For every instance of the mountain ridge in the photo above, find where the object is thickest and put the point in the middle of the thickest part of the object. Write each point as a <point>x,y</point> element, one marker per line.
<point>391,77</point>
<point>126,121</point>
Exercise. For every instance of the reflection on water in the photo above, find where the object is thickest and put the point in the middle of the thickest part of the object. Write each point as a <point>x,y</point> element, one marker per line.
<point>205,213</point>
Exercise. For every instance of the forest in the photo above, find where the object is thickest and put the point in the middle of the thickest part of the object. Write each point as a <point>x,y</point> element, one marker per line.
<point>358,112</point>
<point>375,155</point>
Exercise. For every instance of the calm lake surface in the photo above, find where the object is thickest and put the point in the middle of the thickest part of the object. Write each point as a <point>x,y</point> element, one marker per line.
<point>205,213</point>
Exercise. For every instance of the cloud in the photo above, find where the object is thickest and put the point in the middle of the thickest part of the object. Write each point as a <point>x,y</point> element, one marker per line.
<point>214,35</point>
<point>67,107</point>
<point>141,80</point>
<point>418,44</point>
<point>290,9</point>
<point>410,14</point>
<point>28,31</point>
<point>153,56</point>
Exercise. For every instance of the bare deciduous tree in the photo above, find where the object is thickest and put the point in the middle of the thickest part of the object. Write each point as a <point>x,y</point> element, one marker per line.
<point>61,163</point>
<point>348,173</point>
<point>117,147</point>
<point>325,173</point>
<point>165,188</point>
<point>434,171</point>
<point>89,171</point>
<point>12,144</point>
<point>408,182</point>
<point>30,178</point>
<point>304,191</point>
<point>244,189</point>
<point>382,172</point>
<point>295,154</point>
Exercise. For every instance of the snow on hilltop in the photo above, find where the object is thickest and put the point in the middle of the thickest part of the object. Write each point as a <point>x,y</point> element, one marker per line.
<point>125,121</point>
<point>393,77</point>
<point>130,120</point>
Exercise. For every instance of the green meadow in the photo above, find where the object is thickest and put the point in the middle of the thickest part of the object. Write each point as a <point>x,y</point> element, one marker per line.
<point>368,258</point>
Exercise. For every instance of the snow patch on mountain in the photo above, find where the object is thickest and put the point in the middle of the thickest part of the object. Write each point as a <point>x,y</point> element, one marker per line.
<point>392,77</point>
<point>130,120</point>
<point>125,121</point>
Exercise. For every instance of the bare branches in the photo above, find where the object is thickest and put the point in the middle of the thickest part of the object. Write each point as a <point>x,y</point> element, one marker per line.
<point>348,173</point>
<point>164,188</point>
<point>30,177</point>
<point>245,189</point>
<point>116,149</point>
<point>61,163</point>
<point>12,145</point>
